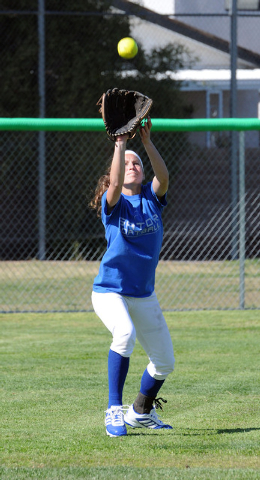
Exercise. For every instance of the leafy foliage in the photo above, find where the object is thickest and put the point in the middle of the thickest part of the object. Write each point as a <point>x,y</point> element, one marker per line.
<point>81,62</point>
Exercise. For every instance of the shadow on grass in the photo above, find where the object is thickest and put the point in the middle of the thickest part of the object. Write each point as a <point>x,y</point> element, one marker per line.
<point>237,430</point>
<point>195,432</point>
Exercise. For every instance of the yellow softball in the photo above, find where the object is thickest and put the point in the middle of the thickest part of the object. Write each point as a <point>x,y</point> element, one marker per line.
<point>127,47</point>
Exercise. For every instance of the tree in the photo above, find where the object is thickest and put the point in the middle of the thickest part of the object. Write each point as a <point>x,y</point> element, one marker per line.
<point>81,63</point>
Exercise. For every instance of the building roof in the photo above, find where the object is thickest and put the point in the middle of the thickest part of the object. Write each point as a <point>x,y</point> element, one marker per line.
<point>220,79</point>
<point>185,30</point>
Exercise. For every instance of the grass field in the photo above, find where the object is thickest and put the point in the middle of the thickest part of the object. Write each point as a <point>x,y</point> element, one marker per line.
<point>53,394</point>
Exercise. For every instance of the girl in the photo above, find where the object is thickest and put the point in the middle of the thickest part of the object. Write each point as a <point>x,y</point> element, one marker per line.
<point>123,292</point>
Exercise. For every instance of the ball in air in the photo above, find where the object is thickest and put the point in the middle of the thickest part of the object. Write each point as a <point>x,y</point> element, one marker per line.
<point>127,47</point>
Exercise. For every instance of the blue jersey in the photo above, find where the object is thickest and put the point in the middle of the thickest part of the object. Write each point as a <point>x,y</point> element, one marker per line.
<point>134,233</point>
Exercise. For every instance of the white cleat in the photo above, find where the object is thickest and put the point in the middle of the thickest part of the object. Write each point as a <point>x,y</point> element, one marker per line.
<point>114,421</point>
<point>147,420</point>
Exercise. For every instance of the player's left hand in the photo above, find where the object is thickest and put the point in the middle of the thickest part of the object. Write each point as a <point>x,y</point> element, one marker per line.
<point>145,130</point>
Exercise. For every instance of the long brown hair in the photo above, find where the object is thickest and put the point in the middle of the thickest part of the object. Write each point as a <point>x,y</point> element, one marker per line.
<point>102,186</point>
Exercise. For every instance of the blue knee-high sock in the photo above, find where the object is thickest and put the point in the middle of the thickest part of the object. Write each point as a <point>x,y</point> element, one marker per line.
<point>149,385</point>
<point>117,372</point>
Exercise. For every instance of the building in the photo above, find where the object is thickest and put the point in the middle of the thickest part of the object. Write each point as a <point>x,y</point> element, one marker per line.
<point>204,28</point>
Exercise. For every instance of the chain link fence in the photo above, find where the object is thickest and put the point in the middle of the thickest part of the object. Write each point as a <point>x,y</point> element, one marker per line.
<point>51,243</point>
<point>200,265</point>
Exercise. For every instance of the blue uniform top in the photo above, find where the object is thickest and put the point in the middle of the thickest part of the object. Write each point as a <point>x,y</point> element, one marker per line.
<point>134,233</point>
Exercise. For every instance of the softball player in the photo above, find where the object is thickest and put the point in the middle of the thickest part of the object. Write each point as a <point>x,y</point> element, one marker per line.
<point>123,292</point>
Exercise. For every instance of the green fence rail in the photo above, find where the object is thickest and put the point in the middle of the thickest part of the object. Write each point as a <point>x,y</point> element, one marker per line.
<point>159,124</point>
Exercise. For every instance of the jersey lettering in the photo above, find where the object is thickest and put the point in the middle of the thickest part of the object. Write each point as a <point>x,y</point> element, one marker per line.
<point>149,226</point>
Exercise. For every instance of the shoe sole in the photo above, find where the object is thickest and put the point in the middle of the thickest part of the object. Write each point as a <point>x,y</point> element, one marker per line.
<point>157,427</point>
<point>114,436</point>
<point>133,426</point>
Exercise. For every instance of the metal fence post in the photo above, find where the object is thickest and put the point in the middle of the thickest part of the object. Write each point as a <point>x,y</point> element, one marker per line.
<point>233,114</point>
<point>242,219</point>
<point>41,135</point>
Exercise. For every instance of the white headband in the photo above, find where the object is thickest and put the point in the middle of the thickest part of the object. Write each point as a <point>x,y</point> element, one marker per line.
<point>131,152</point>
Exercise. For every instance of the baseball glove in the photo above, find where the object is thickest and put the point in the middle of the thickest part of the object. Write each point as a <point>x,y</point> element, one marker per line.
<point>123,111</point>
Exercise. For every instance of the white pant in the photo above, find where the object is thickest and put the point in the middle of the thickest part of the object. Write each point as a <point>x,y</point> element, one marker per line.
<point>128,318</point>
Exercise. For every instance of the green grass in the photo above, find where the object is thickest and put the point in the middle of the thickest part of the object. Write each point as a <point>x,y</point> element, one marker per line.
<point>53,393</point>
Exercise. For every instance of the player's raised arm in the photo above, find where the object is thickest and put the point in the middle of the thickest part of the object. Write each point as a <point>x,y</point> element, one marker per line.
<point>161,178</point>
<point>117,172</point>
